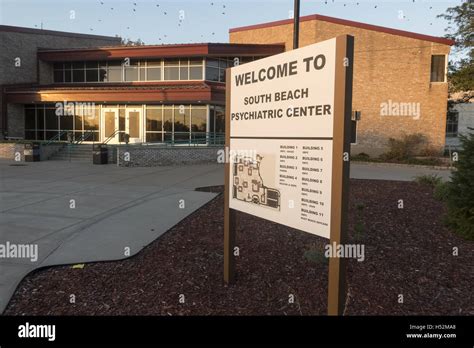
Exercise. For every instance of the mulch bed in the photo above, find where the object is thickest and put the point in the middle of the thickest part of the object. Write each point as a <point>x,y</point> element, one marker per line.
<point>407,251</point>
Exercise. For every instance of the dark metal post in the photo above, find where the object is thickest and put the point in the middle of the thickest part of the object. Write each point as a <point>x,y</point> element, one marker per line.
<point>296,25</point>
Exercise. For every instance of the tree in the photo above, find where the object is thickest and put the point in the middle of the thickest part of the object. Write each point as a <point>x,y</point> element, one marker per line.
<point>461,30</point>
<point>460,199</point>
<point>130,42</point>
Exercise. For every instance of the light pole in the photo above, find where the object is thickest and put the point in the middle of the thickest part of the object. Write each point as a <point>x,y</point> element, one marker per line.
<point>296,24</point>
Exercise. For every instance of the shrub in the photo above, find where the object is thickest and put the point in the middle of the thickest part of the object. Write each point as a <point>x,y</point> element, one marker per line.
<point>431,180</point>
<point>431,151</point>
<point>361,157</point>
<point>460,198</point>
<point>441,191</point>
<point>404,148</point>
<point>432,161</point>
<point>316,255</point>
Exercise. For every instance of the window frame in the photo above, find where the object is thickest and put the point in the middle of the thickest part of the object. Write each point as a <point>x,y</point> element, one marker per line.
<point>445,71</point>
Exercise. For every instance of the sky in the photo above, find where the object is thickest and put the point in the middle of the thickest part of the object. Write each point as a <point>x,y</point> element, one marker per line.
<point>159,21</point>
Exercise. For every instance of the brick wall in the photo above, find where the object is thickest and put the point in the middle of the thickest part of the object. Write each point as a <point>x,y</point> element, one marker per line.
<point>10,151</point>
<point>386,67</point>
<point>23,43</point>
<point>151,156</point>
<point>16,120</point>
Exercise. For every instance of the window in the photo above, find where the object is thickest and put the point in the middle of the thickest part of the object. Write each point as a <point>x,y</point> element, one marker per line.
<point>195,69</point>
<point>67,72</point>
<point>131,71</point>
<point>51,119</point>
<point>452,122</point>
<point>30,118</point>
<point>168,123</point>
<point>212,70</point>
<point>438,68</point>
<point>171,69</point>
<point>353,132</point>
<point>102,71</point>
<point>216,124</point>
<point>154,119</point>
<point>143,70</point>
<point>78,73</point>
<point>92,75</point>
<point>154,70</point>
<point>199,119</point>
<point>198,124</point>
<point>215,69</point>
<point>154,123</point>
<point>40,122</point>
<point>92,71</point>
<point>58,74</point>
<point>182,120</point>
<point>114,71</point>
<point>184,69</point>
<point>220,119</point>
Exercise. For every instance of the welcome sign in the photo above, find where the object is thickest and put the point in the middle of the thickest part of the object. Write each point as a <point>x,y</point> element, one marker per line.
<point>283,108</point>
<point>293,112</point>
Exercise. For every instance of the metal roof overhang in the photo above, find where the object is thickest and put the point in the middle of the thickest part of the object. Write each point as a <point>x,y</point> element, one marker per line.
<point>192,93</point>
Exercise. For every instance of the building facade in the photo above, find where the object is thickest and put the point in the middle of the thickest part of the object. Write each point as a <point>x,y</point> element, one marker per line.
<point>19,63</point>
<point>460,121</point>
<point>136,94</point>
<point>60,85</point>
<point>399,84</point>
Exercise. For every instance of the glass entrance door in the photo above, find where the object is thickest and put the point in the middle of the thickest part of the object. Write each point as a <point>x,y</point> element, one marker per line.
<point>118,122</point>
<point>111,122</point>
<point>133,124</point>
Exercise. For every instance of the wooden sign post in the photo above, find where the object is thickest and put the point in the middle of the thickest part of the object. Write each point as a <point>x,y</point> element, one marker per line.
<point>340,171</point>
<point>229,214</point>
<point>294,110</point>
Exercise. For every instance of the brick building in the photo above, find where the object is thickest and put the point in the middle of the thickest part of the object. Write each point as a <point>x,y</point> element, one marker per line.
<point>177,92</point>
<point>399,77</point>
<point>152,94</point>
<point>19,63</point>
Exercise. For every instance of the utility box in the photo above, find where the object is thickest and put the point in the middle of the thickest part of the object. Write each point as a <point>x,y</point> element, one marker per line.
<point>100,154</point>
<point>32,152</point>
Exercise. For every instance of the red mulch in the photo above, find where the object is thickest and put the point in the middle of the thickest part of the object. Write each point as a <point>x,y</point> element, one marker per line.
<point>407,251</point>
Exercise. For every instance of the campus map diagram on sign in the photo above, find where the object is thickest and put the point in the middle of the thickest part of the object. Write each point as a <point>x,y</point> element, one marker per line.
<point>249,185</point>
<point>282,110</point>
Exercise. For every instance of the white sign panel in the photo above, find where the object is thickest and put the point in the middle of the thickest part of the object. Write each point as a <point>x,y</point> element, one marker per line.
<point>281,131</point>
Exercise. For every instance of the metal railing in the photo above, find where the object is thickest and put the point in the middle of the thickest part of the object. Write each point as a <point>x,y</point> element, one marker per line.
<point>195,139</point>
<point>84,137</point>
<point>111,136</point>
<point>55,138</point>
<point>199,139</point>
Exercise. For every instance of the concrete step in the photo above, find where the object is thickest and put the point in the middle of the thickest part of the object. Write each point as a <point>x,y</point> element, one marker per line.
<point>72,157</point>
<point>75,159</point>
<point>88,155</point>
<point>80,153</point>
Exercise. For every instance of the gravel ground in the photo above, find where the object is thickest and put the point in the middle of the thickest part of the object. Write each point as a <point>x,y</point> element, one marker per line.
<point>407,252</point>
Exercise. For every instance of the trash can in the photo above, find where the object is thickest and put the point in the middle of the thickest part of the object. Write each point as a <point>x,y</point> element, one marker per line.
<point>100,154</point>
<point>32,152</point>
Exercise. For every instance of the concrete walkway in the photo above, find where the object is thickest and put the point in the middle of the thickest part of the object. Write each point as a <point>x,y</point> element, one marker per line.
<point>80,212</point>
